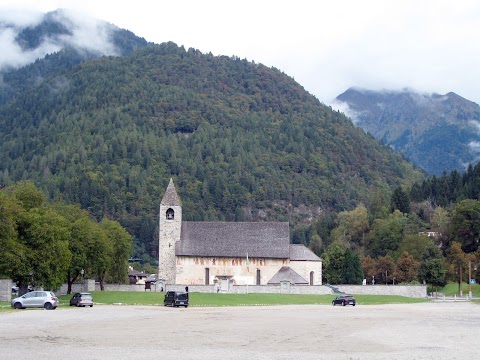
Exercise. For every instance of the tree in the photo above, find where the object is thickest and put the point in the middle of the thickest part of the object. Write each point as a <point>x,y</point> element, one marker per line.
<point>432,268</point>
<point>12,252</point>
<point>385,269</point>
<point>379,204</point>
<point>440,219</point>
<point>334,262</point>
<point>457,259</point>
<point>121,246</point>
<point>414,245</point>
<point>352,226</point>
<point>87,245</point>
<point>353,272</point>
<point>369,266</point>
<point>400,201</point>
<point>27,194</point>
<point>386,234</point>
<point>45,236</point>
<point>406,268</point>
<point>465,225</point>
<point>316,243</point>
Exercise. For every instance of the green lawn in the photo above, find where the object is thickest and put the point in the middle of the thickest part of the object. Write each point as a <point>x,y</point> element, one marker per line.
<point>452,289</point>
<point>213,299</point>
<point>207,299</point>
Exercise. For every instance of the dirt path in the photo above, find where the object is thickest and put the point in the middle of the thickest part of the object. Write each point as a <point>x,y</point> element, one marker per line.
<point>416,331</point>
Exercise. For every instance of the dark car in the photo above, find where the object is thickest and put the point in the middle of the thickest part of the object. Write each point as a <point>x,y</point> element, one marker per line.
<point>344,300</point>
<point>176,299</point>
<point>81,299</point>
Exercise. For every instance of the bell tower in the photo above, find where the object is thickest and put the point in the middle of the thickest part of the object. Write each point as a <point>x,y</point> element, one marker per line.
<point>170,225</point>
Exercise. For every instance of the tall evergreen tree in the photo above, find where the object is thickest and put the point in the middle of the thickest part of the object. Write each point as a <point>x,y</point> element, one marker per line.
<point>400,200</point>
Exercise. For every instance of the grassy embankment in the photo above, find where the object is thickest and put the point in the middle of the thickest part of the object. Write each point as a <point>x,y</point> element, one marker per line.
<point>452,289</point>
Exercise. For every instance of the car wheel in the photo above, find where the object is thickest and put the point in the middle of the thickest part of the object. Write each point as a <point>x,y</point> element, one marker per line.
<point>333,303</point>
<point>353,304</point>
<point>91,305</point>
<point>48,306</point>
<point>17,305</point>
<point>344,303</point>
<point>186,306</point>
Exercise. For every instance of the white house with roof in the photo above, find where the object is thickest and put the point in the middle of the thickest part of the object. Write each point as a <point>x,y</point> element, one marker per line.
<point>238,253</point>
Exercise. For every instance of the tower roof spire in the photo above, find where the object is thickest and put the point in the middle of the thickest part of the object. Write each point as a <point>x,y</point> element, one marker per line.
<point>170,198</point>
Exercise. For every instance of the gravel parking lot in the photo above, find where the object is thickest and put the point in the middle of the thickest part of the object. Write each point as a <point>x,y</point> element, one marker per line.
<point>414,331</point>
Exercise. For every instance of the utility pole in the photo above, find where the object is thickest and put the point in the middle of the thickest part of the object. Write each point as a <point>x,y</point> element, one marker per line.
<point>469,279</point>
<point>460,285</point>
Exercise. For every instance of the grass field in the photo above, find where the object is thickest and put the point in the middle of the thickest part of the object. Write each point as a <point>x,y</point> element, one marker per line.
<point>452,289</point>
<point>207,299</point>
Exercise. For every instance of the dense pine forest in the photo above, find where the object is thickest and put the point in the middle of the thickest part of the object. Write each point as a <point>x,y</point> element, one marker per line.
<point>242,142</point>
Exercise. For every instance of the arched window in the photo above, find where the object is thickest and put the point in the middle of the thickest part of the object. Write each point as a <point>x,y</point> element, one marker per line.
<point>170,214</point>
<point>311,277</point>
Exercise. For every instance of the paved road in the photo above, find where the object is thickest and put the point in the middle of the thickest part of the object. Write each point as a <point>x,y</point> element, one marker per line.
<point>415,331</point>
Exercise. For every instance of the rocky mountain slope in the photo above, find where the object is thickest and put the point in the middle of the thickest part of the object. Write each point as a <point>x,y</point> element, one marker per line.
<point>436,132</point>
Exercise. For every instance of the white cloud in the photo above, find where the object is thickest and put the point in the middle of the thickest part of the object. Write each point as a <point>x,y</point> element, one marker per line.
<point>475,124</point>
<point>429,45</point>
<point>12,55</point>
<point>87,33</point>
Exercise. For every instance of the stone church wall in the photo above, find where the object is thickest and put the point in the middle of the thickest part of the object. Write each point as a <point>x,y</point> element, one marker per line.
<point>305,268</point>
<point>191,270</point>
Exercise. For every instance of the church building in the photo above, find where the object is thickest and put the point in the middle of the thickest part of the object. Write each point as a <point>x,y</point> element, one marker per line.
<point>229,253</point>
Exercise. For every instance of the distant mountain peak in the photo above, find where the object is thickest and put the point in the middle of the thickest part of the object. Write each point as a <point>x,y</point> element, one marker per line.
<point>437,132</point>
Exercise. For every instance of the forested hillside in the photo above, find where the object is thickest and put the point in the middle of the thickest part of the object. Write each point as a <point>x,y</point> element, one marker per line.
<point>242,142</point>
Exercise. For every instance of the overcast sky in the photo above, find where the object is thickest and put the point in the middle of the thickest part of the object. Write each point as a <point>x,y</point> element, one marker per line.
<point>327,46</point>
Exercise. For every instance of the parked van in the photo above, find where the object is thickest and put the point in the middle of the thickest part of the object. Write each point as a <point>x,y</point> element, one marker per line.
<point>176,299</point>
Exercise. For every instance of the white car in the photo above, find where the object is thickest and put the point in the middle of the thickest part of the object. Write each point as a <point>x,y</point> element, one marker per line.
<point>41,299</point>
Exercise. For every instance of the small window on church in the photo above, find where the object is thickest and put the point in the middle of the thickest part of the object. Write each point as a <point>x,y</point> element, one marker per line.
<point>170,214</point>
<point>311,277</point>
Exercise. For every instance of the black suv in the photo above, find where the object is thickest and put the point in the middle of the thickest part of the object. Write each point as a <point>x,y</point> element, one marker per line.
<point>176,299</point>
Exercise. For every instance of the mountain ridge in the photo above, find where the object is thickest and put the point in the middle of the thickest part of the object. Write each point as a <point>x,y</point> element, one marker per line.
<point>436,132</point>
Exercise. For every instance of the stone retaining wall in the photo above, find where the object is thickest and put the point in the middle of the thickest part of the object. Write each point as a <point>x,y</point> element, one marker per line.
<point>6,290</point>
<point>413,291</point>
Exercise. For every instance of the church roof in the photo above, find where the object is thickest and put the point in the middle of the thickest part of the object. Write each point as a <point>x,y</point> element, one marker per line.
<point>234,239</point>
<point>299,252</point>
<point>170,198</point>
<point>287,274</point>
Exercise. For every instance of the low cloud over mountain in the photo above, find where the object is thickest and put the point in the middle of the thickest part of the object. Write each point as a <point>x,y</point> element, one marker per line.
<point>436,132</point>
<point>29,36</point>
